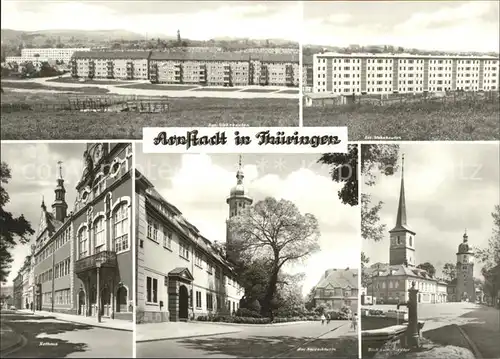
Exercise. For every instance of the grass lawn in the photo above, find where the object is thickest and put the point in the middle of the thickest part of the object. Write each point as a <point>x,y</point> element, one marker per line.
<point>184,112</point>
<point>159,87</point>
<point>219,89</point>
<point>463,121</point>
<point>258,90</point>
<point>36,86</point>
<point>290,91</point>
<point>70,80</point>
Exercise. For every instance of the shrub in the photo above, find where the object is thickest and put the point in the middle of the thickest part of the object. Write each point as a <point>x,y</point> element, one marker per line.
<point>244,312</point>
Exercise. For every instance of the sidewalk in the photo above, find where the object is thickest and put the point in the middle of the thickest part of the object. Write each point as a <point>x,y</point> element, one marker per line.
<point>105,322</point>
<point>176,330</point>
<point>344,330</point>
<point>259,325</point>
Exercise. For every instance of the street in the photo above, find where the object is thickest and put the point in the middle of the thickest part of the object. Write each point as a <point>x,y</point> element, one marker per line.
<point>446,324</point>
<point>303,340</point>
<point>46,337</point>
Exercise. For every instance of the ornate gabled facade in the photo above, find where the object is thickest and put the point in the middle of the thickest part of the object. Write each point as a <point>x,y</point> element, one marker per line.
<point>71,248</point>
<point>180,274</point>
<point>338,288</point>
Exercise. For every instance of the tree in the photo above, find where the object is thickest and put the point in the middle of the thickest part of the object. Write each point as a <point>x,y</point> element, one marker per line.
<point>14,229</point>
<point>375,160</point>
<point>276,232</point>
<point>428,267</point>
<point>490,257</point>
<point>449,271</point>
<point>365,278</point>
<point>344,169</point>
<point>309,299</point>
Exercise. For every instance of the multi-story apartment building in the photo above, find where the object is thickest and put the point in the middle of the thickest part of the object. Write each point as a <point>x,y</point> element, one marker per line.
<point>83,259</point>
<point>180,275</point>
<point>347,74</point>
<point>37,56</point>
<point>338,288</point>
<point>307,73</point>
<point>130,65</point>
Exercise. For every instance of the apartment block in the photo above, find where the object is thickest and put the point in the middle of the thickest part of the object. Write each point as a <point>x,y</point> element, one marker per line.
<point>88,251</point>
<point>130,65</point>
<point>180,274</point>
<point>53,53</point>
<point>307,73</point>
<point>401,73</point>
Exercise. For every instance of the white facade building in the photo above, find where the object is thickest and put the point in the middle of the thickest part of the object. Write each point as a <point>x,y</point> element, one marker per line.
<point>359,74</point>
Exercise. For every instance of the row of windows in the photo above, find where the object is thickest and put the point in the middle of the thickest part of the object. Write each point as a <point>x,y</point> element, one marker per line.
<point>63,238</point>
<point>61,268</point>
<point>47,251</point>
<point>119,237</point>
<point>62,297</point>
<point>47,298</point>
<point>406,61</point>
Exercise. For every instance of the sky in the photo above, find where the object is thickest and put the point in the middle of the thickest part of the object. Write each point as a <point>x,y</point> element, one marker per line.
<point>34,171</point>
<point>198,186</point>
<point>428,25</point>
<point>200,20</point>
<point>449,187</point>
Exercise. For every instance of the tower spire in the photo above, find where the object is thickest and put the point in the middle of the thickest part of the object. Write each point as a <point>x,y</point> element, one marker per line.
<point>239,173</point>
<point>401,216</point>
<point>60,169</point>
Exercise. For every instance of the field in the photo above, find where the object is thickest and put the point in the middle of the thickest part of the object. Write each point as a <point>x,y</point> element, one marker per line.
<point>159,87</point>
<point>466,120</point>
<point>70,80</point>
<point>37,86</point>
<point>184,112</point>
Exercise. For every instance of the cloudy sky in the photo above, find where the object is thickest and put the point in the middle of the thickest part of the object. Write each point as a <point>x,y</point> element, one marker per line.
<point>34,171</point>
<point>449,187</point>
<point>200,20</point>
<point>430,25</point>
<point>199,184</point>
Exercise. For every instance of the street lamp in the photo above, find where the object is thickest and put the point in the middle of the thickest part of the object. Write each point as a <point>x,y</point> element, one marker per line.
<point>98,263</point>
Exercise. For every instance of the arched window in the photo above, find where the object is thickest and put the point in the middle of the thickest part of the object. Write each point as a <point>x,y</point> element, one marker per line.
<point>99,235</point>
<point>82,243</point>
<point>121,228</point>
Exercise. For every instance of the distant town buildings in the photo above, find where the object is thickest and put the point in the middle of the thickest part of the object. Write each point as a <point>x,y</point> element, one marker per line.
<point>359,73</point>
<point>338,288</point>
<point>37,56</point>
<point>183,67</point>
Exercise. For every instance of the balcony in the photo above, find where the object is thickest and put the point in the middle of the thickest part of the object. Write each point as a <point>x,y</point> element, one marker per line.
<point>107,259</point>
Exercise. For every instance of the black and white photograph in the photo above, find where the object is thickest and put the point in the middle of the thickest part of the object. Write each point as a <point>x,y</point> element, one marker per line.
<point>66,250</point>
<point>253,255</point>
<point>430,251</point>
<point>402,70</point>
<point>96,70</point>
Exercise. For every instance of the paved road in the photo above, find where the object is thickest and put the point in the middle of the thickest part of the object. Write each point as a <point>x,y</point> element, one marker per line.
<point>116,89</point>
<point>45,337</point>
<point>445,324</point>
<point>304,340</point>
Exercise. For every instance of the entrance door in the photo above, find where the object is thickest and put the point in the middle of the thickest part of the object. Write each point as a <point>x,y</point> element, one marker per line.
<point>121,300</point>
<point>81,303</point>
<point>183,303</point>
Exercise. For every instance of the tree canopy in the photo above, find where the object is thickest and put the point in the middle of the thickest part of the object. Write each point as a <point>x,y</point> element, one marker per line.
<point>14,230</point>
<point>273,233</point>
<point>428,267</point>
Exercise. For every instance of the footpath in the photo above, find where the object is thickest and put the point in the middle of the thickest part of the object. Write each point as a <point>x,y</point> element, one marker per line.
<point>107,323</point>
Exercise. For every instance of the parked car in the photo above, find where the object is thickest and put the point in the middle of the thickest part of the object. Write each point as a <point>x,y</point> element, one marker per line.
<point>12,307</point>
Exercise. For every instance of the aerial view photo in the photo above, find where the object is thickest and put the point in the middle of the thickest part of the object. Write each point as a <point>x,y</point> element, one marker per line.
<point>146,64</point>
<point>402,70</point>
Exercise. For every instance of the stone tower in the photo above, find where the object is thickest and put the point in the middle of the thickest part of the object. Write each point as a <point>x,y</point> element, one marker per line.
<point>60,207</point>
<point>465,272</point>
<point>402,247</point>
<point>238,200</point>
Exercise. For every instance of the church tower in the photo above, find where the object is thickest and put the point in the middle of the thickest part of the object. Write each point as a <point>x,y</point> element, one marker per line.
<point>238,200</point>
<point>465,272</point>
<point>402,247</point>
<point>60,207</point>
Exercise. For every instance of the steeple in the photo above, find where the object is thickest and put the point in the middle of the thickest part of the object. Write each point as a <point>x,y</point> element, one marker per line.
<point>60,207</point>
<point>43,204</point>
<point>402,247</point>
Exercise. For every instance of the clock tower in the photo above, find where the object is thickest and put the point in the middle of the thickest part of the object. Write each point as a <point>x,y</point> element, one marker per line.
<point>238,200</point>
<point>60,207</point>
<point>402,247</point>
<point>465,272</point>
